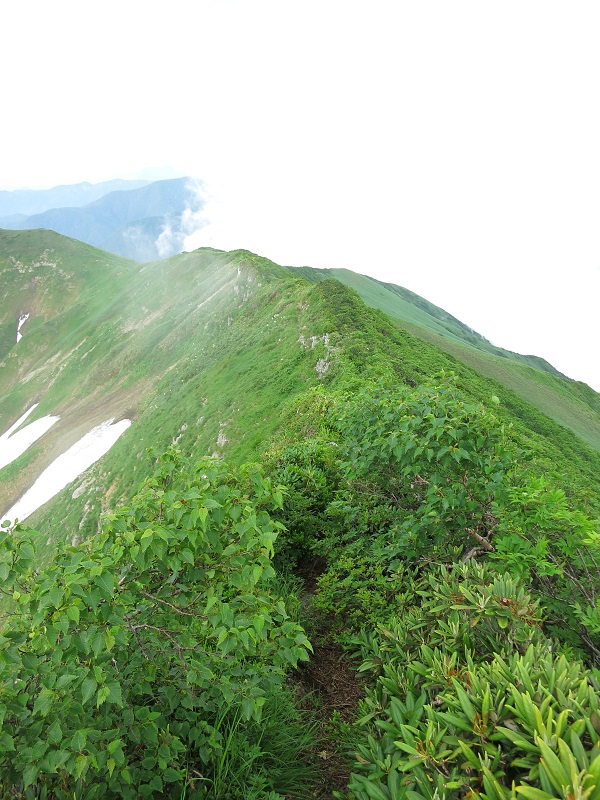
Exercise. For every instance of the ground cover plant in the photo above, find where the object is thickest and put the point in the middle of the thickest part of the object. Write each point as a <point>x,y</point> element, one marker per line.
<point>471,700</point>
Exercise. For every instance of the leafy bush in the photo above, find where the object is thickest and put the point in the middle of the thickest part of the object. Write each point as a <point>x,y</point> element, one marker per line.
<point>552,544</point>
<point>360,591</point>
<point>472,700</point>
<point>432,461</point>
<point>311,475</point>
<point>123,663</point>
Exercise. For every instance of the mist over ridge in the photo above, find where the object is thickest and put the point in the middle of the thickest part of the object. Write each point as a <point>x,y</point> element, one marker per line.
<point>205,349</point>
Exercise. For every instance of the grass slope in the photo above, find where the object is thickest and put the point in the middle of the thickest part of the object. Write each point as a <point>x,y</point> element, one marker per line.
<point>571,404</point>
<point>203,348</point>
<point>207,349</point>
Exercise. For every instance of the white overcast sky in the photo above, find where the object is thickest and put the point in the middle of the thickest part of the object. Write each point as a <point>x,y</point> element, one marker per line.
<point>449,147</point>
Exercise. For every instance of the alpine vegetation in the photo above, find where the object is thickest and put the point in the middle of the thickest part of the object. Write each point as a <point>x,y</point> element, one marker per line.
<point>335,545</point>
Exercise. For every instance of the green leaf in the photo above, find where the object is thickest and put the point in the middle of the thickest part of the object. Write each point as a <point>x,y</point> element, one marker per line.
<point>114,693</point>
<point>30,774</point>
<point>210,503</point>
<point>78,741</point>
<point>88,689</point>
<point>55,733</point>
<point>556,771</point>
<point>98,643</point>
<point>465,702</point>
<point>26,551</point>
<point>106,584</point>
<point>57,758</point>
<point>43,702</point>
<point>81,764</point>
<point>114,745</point>
<point>374,791</point>
<point>102,696</point>
<point>258,623</point>
<point>531,793</point>
<point>594,769</point>
<point>187,556</point>
<point>469,754</point>
<point>393,783</point>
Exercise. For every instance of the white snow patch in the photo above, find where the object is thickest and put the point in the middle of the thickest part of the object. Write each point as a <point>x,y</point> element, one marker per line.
<point>20,421</point>
<point>67,467</point>
<point>22,319</point>
<point>12,445</point>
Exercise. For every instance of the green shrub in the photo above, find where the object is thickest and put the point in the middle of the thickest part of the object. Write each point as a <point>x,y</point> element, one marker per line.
<point>432,461</point>
<point>471,700</point>
<point>125,661</point>
<point>553,545</point>
<point>311,476</point>
<point>359,590</point>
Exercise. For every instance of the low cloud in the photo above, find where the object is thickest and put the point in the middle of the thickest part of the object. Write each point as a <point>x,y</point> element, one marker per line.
<point>178,230</point>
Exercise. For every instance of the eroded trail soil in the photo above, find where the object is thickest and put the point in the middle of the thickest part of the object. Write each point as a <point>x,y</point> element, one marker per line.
<point>327,684</point>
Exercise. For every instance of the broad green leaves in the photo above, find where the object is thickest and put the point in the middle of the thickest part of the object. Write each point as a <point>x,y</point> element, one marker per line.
<point>121,656</point>
<point>434,462</point>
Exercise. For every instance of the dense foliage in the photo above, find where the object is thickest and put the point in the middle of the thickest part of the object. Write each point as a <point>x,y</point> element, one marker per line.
<point>123,662</point>
<point>436,462</point>
<point>478,677</point>
<point>472,700</point>
<point>152,659</point>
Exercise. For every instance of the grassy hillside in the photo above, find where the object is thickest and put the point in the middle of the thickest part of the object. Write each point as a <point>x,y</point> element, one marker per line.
<point>207,348</point>
<point>569,403</point>
<point>167,656</point>
<point>203,348</point>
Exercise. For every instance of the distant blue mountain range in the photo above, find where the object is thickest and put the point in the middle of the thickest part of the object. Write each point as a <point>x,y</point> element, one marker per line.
<point>34,201</point>
<point>136,219</point>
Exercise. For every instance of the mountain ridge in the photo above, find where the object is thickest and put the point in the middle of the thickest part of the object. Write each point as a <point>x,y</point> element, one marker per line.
<point>187,347</point>
<point>35,201</point>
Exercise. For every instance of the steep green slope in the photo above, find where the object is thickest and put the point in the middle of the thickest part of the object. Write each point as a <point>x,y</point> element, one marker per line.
<point>398,302</point>
<point>62,285</point>
<point>207,349</point>
<point>223,392</point>
<point>569,403</point>
<point>374,345</point>
<point>203,348</point>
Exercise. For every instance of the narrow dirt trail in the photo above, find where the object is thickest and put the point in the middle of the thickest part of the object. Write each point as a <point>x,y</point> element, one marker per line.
<point>325,685</point>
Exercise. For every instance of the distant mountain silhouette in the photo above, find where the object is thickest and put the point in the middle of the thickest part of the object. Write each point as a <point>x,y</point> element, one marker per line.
<point>36,201</point>
<point>143,223</point>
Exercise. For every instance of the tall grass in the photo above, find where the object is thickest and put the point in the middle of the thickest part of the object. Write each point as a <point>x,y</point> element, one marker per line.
<point>261,760</point>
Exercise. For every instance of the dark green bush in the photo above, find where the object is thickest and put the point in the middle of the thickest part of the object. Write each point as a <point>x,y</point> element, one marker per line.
<point>127,664</point>
<point>471,699</point>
